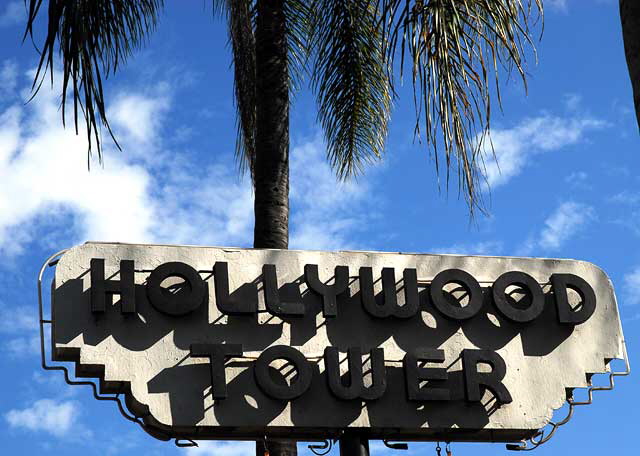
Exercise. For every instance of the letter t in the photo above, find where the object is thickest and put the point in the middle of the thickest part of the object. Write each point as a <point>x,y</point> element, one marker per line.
<point>218,355</point>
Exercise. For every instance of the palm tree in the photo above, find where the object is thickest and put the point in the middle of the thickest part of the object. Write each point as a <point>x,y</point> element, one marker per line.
<point>352,51</point>
<point>630,18</point>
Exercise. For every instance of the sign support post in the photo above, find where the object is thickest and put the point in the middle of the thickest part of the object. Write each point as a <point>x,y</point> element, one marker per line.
<point>353,445</point>
<point>276,446</point>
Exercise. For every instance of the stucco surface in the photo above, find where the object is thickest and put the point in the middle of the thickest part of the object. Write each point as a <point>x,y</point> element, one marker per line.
<point>147,354</point>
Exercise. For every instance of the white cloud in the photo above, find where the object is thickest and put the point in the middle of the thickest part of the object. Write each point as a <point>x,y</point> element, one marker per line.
<point>42,172</point>
<point>564,223</point>
<point>578,179</point>
<point>625,197</point>
<point>139,116</point>
<point>572,101</point>
<point>209,448</point>
<point>45,180</point>
<point>477,248</point>
<point>513,147</point>
<point>560,5</point>
<point>9,133</point>
<point>56,418</point>
<point>325,212</point>
<point>631,287</point>
<point>157,197</point>
<point>17,318</point>
<point>8,78</point>
<point>635,317</point>
<point>23,346</point>
<point>629,215</point>
<point>195,205</point>
<point>19,325</point>
<point>14,13</point>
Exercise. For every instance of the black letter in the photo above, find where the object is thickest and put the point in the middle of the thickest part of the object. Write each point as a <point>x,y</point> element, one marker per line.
<point>566,314</point>
<point>101,287</point>
<point>390,306</point>
<point>247,304</point>
<point>414,374</point>
<point>356,388</point>
<point>218,355</point>
<point>284,392</point>
<point>463,279</point>
<point>183,302</point>
<point>491,380</point>
<point>272,297</point>
<point>506,308</point>
<point>328,292</point>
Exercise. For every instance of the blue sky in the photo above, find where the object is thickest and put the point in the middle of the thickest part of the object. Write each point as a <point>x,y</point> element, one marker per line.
<point>567,187</point>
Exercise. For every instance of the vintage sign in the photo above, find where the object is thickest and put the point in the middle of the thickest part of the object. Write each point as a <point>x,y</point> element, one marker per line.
<point>238,343</point>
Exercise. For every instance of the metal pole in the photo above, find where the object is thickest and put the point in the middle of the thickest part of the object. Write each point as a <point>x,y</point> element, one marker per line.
<point>353,445</point>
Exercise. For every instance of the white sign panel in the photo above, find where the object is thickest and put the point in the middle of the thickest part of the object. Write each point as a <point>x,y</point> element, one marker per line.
<point>238,343</point>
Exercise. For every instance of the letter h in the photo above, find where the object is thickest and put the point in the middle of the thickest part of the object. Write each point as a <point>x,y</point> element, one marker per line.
<point>100,287</point>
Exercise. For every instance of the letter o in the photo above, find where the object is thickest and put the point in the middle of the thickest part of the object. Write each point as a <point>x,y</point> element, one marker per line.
<point>284,392</point>
<point>179,304</point>
<point>524,280</point>
<point>464,279</point>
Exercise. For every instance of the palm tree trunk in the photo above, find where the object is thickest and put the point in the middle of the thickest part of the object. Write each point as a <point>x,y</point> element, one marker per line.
<point>271,166</point>
<point>630,18</point>
<point>276,447</point>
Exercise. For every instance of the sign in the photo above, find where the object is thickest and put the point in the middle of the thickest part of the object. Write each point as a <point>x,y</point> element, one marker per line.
<point>241,343</point>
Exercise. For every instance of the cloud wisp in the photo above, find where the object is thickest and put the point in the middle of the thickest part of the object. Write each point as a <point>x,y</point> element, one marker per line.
<point>562,225</point>
<point>559,5</point>
<point>8,78</point>
<point>46,415</point>
<point>578,180</point>
<point>631,287</point>
<point>490,248</point>
<point>514,147</point>
<point>19,331</point>
<point>326,213</point>
<point>13,13</point>
<point>160,196</point>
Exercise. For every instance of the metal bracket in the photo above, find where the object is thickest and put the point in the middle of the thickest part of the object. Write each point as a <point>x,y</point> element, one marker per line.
<point>540,437</point>
<point>185,443</point>
<point>51,262</point>
<point>396,445</point>
<point>322,448</point>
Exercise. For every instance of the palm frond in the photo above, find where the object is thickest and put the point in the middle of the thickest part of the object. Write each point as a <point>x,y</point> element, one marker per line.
<point>220,7</point>
<point>351,81</point>
<point>94,38</point>
<point>453,47</point>
<point>299,17</point>
<point>239,15</point>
